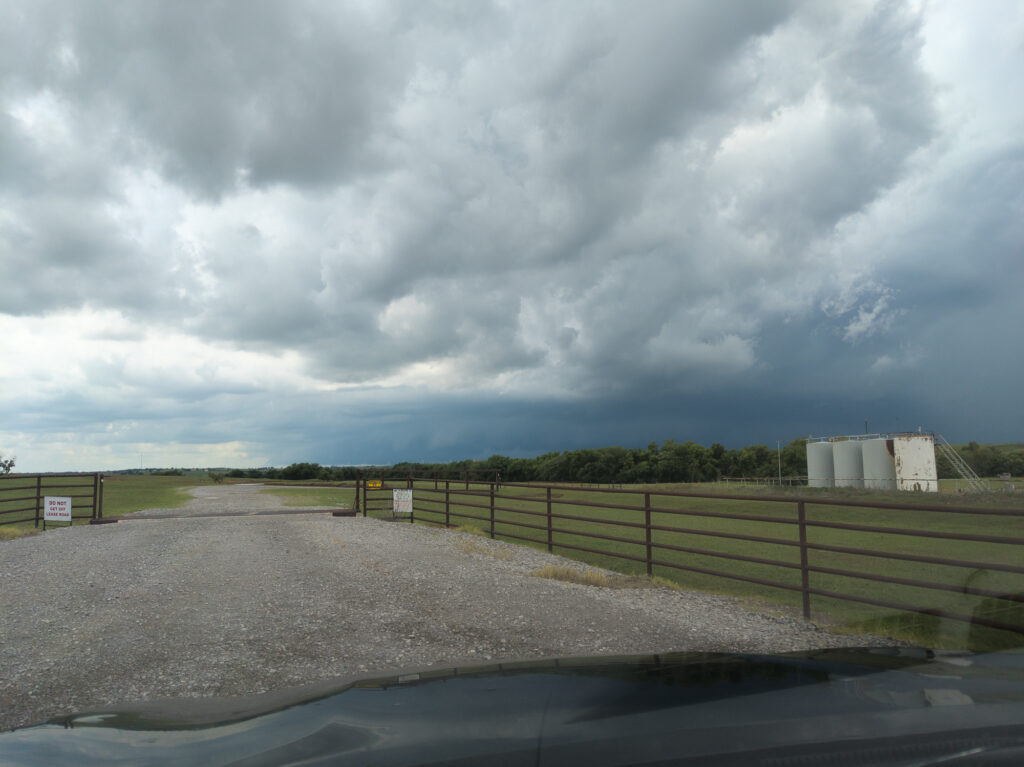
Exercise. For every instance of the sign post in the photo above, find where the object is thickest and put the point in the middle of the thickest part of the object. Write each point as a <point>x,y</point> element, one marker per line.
<point>56,508</point>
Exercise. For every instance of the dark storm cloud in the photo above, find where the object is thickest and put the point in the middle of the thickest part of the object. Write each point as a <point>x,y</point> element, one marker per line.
<point>523,208</point>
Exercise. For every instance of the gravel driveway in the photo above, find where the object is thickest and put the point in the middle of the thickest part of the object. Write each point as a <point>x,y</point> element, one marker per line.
<point>239,605</point>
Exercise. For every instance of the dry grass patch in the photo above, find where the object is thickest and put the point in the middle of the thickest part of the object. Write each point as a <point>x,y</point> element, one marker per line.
<point>10,532</point>
<point>471,529</point>
<point>474,547</point>
<point>603,580</point>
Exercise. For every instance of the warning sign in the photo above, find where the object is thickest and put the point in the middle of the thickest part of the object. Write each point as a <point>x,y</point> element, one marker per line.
<point>402,501</point>
<point>57,508</point>
<point>373,484</point>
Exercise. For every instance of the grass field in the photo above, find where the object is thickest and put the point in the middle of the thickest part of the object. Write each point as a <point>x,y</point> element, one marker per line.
<point>512,518</point>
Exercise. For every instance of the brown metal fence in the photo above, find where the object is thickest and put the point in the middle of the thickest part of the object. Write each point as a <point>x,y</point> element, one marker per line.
<point>21,496</point>
<point>815,555</point>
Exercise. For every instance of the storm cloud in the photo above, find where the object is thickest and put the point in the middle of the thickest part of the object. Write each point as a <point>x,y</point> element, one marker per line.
<point>251,233</point>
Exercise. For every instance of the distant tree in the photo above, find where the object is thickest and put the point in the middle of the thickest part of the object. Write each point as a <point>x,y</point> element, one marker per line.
<point>304,471</point>
<point>7,464</point>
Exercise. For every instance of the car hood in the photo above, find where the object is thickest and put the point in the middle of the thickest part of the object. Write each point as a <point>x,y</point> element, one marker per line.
<point>874,706</point>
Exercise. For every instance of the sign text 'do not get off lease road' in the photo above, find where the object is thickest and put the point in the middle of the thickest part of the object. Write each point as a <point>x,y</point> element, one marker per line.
<point>56,508</point>
<point>402,501</point>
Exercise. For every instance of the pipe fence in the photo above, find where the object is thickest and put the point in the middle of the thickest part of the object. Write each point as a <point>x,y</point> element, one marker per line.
<point>22,496</point>
<point>950,562</point>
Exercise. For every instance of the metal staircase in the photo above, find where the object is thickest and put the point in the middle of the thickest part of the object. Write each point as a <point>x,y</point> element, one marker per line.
<point>961,466</point>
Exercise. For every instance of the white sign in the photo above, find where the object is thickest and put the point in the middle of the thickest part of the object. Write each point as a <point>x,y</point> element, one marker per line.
<point>402,501</point>
<point>56,508</point>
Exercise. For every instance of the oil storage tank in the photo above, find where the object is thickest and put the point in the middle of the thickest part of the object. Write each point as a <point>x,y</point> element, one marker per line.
<point>914,455</point>
<point>848,463</point>
<point>879,460</point>
<point>820,472</point>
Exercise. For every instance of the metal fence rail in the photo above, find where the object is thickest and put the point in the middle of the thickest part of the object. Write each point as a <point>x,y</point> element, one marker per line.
<point>21,496</point>
<point>650,532</point>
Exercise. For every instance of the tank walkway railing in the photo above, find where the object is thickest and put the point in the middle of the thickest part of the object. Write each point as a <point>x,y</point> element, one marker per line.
<point>969,475</point>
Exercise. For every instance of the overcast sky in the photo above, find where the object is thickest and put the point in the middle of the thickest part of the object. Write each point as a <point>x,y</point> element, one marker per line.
<point>252,233</point>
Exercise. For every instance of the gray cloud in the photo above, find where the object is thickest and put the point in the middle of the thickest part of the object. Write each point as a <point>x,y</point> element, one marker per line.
<point>475,200</point>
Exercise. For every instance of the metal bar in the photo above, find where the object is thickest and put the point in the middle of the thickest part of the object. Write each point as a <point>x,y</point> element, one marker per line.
<point>975,565</point>
<point>447,500</point>
<point>734,576</point>
<point>19,498</point>
<point>492,511</point>
<point>722,515</point>
<point>19,521</point>
<point>953,587</point>
<point>920,533</point>
<point>63,487</point>
<point>716,534</point>
<point>520,538</point>
<point>39,500</point>
<point>469,516</point>
<point>527,525</point>
<point>724,555</point>
<point>102,482</point>
<point>95,493</point>
<point>632,541</point>
<point>804,576</point>
<point>617,522</point>
<point>20,508</point>
<point>431,522</point>
<point>787,499</point>
<point>600,552</point>
<point>647,532</point>
<point>549,519</point>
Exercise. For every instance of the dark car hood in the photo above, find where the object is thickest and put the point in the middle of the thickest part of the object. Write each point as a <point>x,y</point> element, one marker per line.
<point>880,706</point>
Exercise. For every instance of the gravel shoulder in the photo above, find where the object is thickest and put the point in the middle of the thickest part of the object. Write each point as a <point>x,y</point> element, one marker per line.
<point>93,616</point>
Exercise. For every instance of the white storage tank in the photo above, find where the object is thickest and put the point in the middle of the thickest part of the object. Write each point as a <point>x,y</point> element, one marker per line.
<point>848,463</point>
<point>879,459</point>
<point>914,456</point>
<point>820,471</point>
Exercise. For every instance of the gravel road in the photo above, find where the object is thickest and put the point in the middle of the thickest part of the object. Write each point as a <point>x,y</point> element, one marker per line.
<point>239,605</point>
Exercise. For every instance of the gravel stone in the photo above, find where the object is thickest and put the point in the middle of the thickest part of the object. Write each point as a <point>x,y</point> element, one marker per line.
<point>199,606</point>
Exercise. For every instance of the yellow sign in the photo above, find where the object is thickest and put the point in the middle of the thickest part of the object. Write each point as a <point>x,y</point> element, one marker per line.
<point>373,484</point>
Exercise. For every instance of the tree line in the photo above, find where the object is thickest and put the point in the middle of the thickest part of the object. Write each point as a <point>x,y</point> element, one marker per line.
<point>669,462</point>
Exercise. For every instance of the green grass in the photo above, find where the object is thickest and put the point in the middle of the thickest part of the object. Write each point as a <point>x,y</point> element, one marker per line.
<point>315,496</point>
<point>851,616</point>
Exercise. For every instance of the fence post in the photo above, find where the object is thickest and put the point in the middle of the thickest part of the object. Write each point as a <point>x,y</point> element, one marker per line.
<point>549,520</point>
<point>39,496</point>
<point>95,494</point>
<point>357,491</point>
<point>492,510</point>
<point>101,497</point>
<point>804,580</point>
<point>447,501</point>
<point>647,531</point>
